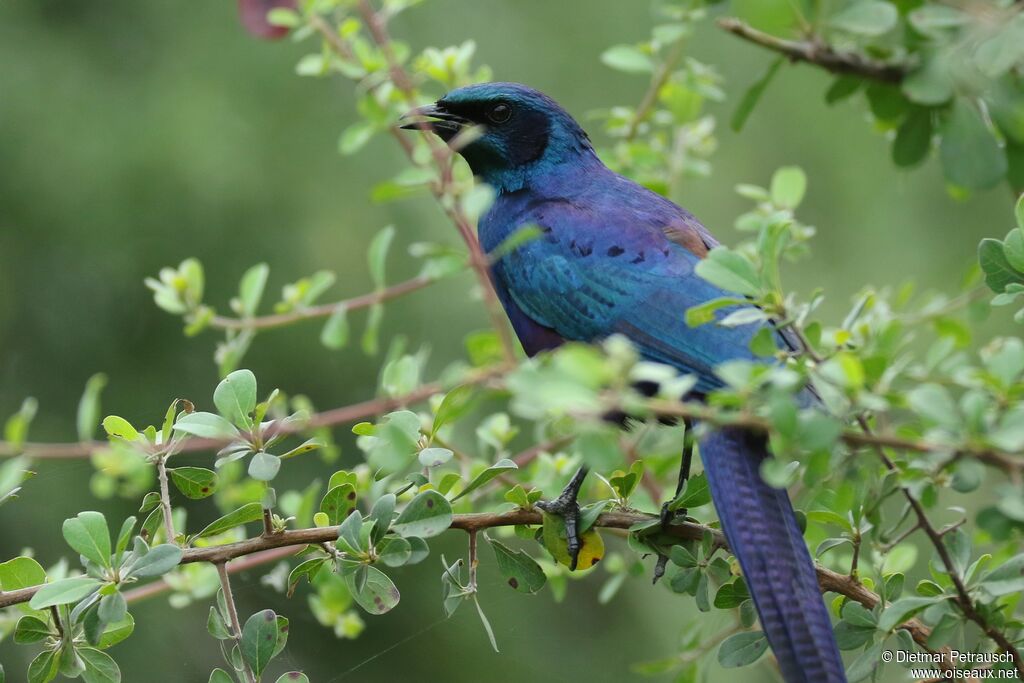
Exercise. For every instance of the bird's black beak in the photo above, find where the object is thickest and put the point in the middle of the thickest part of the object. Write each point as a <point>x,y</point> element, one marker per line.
<point>434,118</point>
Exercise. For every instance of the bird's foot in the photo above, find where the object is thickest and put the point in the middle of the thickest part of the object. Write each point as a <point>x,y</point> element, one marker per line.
<point>669,516</point>
<point>567,507</point>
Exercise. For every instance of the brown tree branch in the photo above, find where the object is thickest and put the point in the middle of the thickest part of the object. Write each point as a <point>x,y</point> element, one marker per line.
<point>336,416</point>
<point>819,54</point>
<point>265,549</point>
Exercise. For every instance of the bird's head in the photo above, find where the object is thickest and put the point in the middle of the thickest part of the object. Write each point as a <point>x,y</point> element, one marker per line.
<point>520,131</point>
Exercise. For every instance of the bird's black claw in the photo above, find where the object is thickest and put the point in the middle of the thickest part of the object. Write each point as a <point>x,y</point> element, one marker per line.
<point>567,507</point>
<point>668,516</point>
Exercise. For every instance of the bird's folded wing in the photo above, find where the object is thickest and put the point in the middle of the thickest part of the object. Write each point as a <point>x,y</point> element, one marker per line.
<point>586,284</point>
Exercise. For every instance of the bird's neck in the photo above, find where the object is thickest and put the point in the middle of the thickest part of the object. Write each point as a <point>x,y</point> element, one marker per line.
<point>562,160</point>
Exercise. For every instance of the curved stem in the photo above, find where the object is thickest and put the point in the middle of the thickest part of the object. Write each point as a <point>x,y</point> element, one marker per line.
<point>265,322</point>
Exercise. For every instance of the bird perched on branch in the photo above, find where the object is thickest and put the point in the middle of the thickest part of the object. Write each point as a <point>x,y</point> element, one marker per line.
<point>616,258</point>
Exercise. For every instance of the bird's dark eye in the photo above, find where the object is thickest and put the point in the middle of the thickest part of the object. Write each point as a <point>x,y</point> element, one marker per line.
<point>499,113</point>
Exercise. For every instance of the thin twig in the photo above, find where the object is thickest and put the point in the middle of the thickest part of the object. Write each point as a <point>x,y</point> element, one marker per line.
<point>265,322</point>
<point>236,626</point>
<point>963,598</point>
<point>165,497</point>
<point>328,418</point>
<point>651,95</point>
<point>443,157</point>
<point>473,561</point>
<point>819,54</point>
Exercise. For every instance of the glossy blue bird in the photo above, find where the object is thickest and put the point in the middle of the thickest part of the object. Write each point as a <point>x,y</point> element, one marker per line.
<point>616,258</point>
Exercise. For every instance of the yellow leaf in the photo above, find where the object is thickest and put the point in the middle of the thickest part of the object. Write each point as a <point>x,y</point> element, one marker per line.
<point>553,536</point>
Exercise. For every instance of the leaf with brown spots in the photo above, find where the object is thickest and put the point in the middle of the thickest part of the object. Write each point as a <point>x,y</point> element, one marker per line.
<point>195,482</point>
<point>338,503</point>
<point>259,640</point>
<point>293,677</point>
<point>428,514</point>
<point>378,594</point>
<point>522,571</point>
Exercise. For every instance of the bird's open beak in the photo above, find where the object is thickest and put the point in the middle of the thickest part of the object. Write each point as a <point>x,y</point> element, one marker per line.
<point>433,118</point>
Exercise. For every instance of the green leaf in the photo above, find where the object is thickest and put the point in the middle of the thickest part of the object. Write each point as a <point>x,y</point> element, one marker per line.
<point>627,58</point>
<point>293,677</point>
<point>64,592</point>
<point>305,447</point>
<point>394,551</point>
<point>338,503</point>
<point>377,254</point>
<point>901,610</point>
<point>89,536</point>
<point>913,139</point>
<point>498,468</point>
<point>117,632</point>
<point>44,667</point>
<point>89,407</point>
<point>789,184</point>
<point>427,515</point>
<point>971,157</point>
<point>934,403</point>
<point>309,569</point>
<point>435,457</point>
<point>119,427</point>
<point>158,561</point>
<point>21,572</point>
<point>259,640</point>
<point>753,95</point>
<point>235,398</point>
<point>742,649</point>
<point>217,626</point>
<point>866,18</point>
<point>335,333</point>
<point>195,482</point>
<point>1018,211</point>
<point>220,676</point>
<point>355,137</point>
<point>930,85</point>
<point>250,289</point>
<point>694,494</point>
<point>206,425</point>
<point>378,594</point>
<point>31,629</point>
<point>519,569</point>
<point>704,313</point>
<point>730,270</point>
<point>1002,51</point>
<point>454,405</point>
<point>732,594</point>
<point>1013,248</point>
<point>112,608</point>
<point>486,623</point>
<point>842,87</point>
<point>250,512</point>
<point>998,271</point>
<point>264,466</point>
<point>930,18</point>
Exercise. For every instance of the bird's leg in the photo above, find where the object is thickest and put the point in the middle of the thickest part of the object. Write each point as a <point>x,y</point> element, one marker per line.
<point>567,507</point>
<point>684,473</point>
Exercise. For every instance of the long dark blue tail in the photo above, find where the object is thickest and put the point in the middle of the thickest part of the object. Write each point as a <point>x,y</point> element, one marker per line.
<point>762,531</point>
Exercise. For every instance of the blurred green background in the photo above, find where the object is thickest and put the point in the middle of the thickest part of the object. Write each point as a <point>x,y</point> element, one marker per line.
<point>133,135</point>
